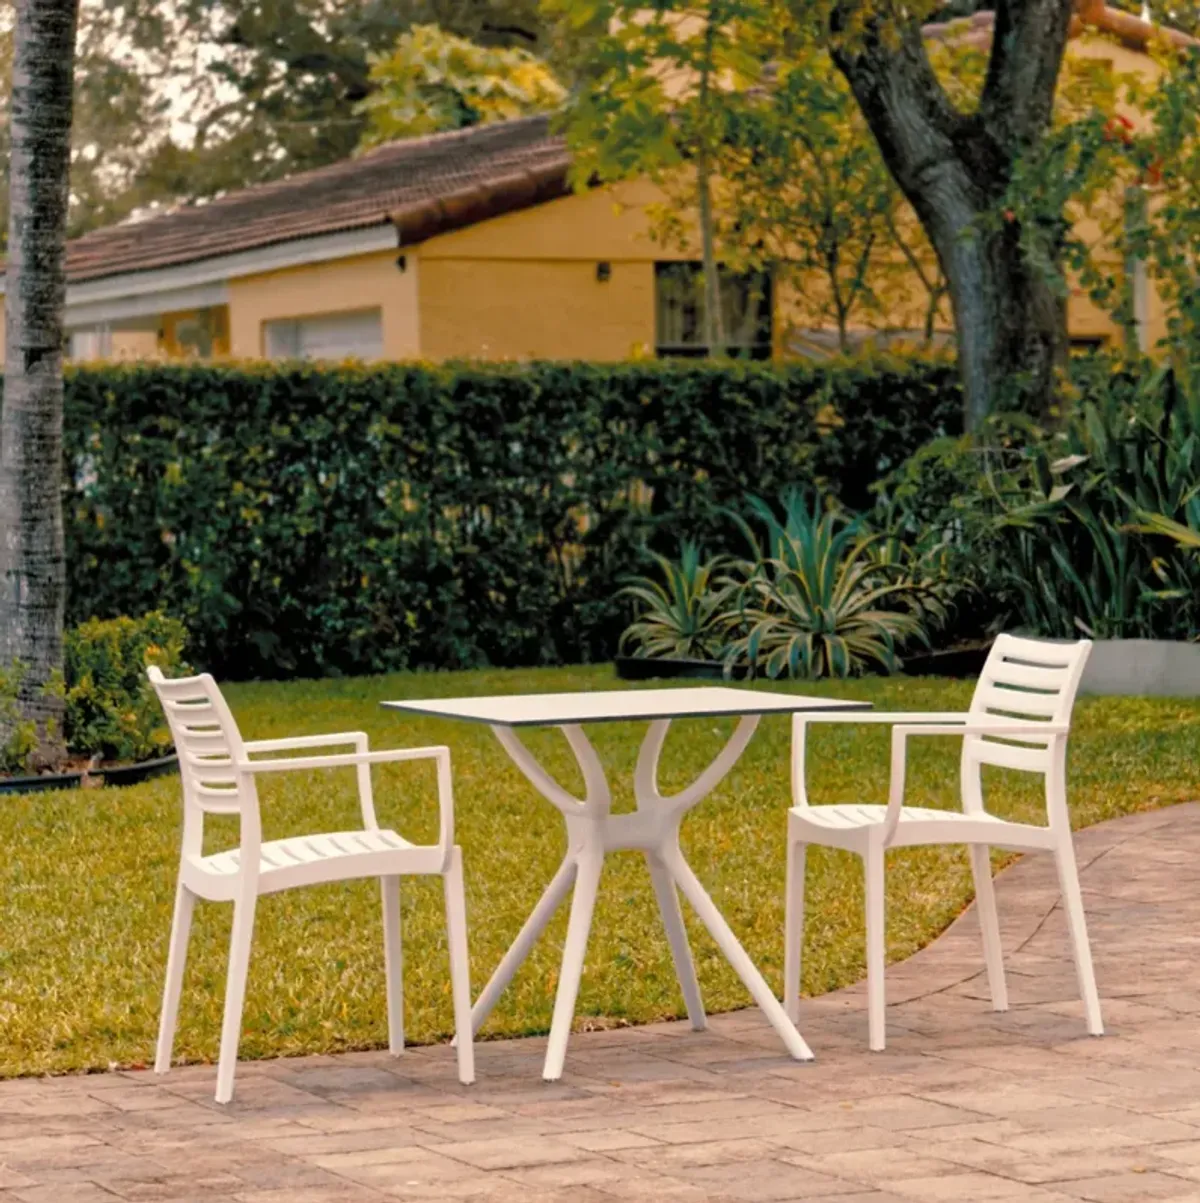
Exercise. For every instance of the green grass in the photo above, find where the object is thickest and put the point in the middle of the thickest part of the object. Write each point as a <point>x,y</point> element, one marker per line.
<point>87,878</point>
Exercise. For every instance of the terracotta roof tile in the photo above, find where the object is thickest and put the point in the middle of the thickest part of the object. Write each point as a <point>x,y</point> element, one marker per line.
<point>976,30</point>
<point>425,186</point>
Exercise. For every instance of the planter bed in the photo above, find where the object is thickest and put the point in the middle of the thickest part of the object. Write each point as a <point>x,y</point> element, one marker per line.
<point>115,775</point>
<point>643,668</point>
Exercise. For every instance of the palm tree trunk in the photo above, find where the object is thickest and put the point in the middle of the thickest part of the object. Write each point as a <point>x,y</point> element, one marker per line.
<point>32,558</point>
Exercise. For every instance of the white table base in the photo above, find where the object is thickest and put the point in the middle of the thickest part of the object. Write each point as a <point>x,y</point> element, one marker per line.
<point>653,829</point>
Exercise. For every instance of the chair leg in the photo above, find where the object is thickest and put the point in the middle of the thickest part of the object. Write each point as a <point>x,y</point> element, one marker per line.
<point>181,927</point>
<point>989,923</point>
<point>460,966</point>
<point>876,945</point>
<point>793,930</point>
<point>393,963</point>
<point>235,994</point>
<point>1068,882</point>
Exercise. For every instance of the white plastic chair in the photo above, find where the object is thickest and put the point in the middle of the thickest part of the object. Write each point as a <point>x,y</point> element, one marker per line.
<point>218,777</point>
<point>1020,717</point>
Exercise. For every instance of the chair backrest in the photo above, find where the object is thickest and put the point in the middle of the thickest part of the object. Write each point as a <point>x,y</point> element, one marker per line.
<point>1030,681</point>
<point>209,743</point>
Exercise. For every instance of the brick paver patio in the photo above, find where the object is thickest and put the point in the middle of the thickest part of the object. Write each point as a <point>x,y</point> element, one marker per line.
<point>965,1105</point>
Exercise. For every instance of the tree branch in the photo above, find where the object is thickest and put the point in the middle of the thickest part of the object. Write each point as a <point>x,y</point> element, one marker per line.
<point>1028,43</point>
<point>904,103</point>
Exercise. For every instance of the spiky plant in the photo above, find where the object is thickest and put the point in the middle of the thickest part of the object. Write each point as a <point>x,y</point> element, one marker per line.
<point>818,600</point>
<point>681,613</point>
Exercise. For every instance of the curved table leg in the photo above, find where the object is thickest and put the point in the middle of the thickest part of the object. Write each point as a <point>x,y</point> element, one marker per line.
<point>653,830</point>
<point>583,902</point>
<point>736,955</point>
<point>514,958</point>
<point>681,952</point>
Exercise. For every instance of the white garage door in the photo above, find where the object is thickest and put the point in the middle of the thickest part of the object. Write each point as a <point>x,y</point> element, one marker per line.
<point>357,335</point>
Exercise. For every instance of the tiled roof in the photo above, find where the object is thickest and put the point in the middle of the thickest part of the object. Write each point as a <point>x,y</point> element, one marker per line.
<point>424,186</point>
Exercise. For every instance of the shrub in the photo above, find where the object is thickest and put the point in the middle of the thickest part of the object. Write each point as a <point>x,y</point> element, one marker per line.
<point>22,733</point>
<point>683,615</point>
<point>112,709</point>
<point>1089,528</point>
<point>823,596</point>
<point>818,600</point>
<point>313,521</point>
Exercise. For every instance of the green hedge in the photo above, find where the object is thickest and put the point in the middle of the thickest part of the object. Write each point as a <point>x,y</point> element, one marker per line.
<point>306,521</point>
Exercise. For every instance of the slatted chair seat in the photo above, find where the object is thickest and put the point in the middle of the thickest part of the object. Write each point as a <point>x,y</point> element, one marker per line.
<point>854,817</point>
<point>1019,719</point>
<point>218,773</point>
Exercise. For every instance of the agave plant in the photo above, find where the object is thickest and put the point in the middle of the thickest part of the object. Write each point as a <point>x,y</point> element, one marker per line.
<point>818,599</point>
<point>683,615</point>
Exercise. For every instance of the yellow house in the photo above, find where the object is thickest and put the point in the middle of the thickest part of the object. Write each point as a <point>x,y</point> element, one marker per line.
<point>467,244</point>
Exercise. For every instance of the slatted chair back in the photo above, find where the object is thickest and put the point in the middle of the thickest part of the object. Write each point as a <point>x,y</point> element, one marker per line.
<point>1033,681</point>
<point>209,744</point>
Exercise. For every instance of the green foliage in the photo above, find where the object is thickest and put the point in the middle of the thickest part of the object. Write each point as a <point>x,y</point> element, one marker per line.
<point>86,873</point>
<point>817,600</point>
<point>806,191</point>
<point>683,615</point>
<point>309,521</point>
<point>112,710</point>
<point>22,735</point>
<point>1087,529</point>
<point>1080,517</point>
<point>257,90</point>
<point>1115,185</point>
<point>434,80</point>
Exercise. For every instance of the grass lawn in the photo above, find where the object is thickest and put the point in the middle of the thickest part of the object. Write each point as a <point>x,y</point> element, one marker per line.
<point>87,878</point>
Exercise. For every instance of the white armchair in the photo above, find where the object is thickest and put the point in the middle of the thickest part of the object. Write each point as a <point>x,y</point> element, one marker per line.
<point>1019,718</point>
<point>218,775</point>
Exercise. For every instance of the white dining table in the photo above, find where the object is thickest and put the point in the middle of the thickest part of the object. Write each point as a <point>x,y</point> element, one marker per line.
<point>653,829</point>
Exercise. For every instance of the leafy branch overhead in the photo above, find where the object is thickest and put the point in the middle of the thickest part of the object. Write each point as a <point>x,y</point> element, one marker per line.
<point>434,80</point>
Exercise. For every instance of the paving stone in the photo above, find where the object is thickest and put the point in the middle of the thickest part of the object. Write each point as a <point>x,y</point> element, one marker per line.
<point>966,1106</point>
<point>504,1153</point>
<point>1134,1188</point>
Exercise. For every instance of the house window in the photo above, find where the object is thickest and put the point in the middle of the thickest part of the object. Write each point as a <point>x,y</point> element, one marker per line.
<point>680,304</point>
<point>357,335</point>
<point>199,334</point>
<point>1085,344</point>
<point>84,345</point>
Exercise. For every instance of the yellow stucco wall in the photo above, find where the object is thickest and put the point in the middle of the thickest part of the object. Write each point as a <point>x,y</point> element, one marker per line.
<point>525,285</point>
<point>535,309</point>
<point>340,286</point>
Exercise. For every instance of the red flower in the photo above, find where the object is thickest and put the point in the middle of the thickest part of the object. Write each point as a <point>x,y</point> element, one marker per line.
<point>1118,127</point>
<point>1009,215</point>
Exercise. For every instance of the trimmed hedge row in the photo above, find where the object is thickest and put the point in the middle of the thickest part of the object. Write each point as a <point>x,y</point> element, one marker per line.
<point>311,521</point>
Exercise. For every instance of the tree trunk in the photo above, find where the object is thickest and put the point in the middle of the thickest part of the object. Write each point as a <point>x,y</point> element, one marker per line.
<point>32,559</point>
<point>714,316</point>
<point>955,169</point>
<point>1010,324</point>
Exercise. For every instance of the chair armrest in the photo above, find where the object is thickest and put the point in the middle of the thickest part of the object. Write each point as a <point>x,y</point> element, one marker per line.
<point>362,761</point>
<point>341,760</point>
<point>357,738</point>
<point>1002,728</point>
<point>800,724</point>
